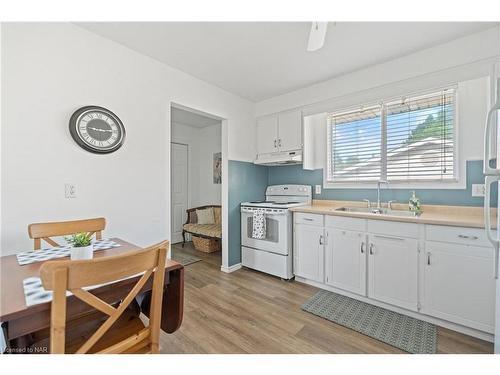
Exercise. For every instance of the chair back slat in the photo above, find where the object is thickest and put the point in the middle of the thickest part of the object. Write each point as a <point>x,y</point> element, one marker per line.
<point>60,276</point>
<point>84,273</point>
<point>44,231</point>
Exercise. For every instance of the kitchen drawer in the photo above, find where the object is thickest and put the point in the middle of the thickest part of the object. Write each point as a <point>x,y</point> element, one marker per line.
<point>309,219</point>
<point>393,228</point>
<point>459,235</point>
<point>347,223</point>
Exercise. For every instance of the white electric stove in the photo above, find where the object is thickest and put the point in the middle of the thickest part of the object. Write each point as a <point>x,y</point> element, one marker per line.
<point>273,254</point>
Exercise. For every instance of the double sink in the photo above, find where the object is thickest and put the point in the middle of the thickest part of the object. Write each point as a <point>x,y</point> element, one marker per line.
<point>377,211</point>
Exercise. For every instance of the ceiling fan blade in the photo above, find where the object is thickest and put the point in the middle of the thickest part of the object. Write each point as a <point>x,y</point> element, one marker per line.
<point>317,36</point>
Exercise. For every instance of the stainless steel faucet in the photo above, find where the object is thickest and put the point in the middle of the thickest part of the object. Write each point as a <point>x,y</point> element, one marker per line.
<point>378,192</point>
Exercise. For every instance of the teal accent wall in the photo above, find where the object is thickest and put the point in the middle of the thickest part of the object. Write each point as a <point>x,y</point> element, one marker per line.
<point>294,174</point>
<point>247,182</point>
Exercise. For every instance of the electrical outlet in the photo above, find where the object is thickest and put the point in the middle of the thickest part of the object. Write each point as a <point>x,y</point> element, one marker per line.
<point>318,189</point>
<point>70,191</point>
<point>478,190</point>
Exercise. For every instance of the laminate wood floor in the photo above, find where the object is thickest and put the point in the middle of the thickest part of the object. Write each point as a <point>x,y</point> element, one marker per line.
<point>250,312</point>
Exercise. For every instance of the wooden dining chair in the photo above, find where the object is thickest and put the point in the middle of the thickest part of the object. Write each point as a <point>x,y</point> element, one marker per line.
<point>75,276</point>
<point>44,231</point>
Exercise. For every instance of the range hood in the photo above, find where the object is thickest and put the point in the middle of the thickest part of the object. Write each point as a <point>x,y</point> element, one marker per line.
<point>280,158</point>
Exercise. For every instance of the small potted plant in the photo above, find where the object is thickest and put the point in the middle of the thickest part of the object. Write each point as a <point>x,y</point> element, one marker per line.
<point>82,247</point>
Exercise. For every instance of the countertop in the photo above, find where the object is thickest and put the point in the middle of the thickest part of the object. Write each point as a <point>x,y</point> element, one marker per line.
<point>462,216</point>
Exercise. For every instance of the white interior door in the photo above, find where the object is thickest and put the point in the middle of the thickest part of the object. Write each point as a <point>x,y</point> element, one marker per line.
<point>179,189</point>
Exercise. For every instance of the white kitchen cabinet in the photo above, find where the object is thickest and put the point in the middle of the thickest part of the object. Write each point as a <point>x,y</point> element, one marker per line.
<point>392,270</point>
<point>290,130</point>
<point>267,134</point>
<point>459,284</point>
<point>309,252</point>
<point>279,132</point>
<point>345,260</point>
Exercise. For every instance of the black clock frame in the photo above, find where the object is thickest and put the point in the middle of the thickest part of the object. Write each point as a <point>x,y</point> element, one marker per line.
<point>76,137</point>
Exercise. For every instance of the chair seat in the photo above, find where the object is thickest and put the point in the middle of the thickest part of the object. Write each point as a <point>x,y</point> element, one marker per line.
<point>76,335</point>
<point>209,230</point>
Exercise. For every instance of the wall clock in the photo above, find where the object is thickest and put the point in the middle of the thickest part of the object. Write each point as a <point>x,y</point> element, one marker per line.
<point>97,129</point>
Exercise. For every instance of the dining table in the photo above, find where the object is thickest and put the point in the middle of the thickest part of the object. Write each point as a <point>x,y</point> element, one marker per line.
<point>19,321</point>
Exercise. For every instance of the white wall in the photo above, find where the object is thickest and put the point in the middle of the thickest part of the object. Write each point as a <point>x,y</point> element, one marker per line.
<point>51,69</point>
<point>459,60</point>
<point>202,144</point>
<point>468,62</point>
<point>210,143</point>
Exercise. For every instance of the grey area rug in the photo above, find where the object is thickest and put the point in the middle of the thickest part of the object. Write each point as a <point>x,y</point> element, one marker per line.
<point>183,258</point>
<point>401,331</point>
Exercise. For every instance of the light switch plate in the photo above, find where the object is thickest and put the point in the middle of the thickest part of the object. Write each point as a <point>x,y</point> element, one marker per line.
<point>318,189</point>
<point>478,190</point>
<point>70,191</point>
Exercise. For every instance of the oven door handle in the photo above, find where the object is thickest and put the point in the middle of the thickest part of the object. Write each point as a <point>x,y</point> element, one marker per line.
<point>250,212</point>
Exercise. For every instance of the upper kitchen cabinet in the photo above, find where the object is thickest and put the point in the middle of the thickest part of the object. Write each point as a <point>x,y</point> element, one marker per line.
<point>279,132</point>
<point>267,134</point>
<point>290,130</point>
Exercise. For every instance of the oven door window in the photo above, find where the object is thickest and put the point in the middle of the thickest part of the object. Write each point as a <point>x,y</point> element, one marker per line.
<point>272,229</point>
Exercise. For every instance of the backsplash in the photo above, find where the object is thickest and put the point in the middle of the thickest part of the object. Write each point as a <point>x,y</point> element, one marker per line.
<point>247,182</point>
<point>294,174</point>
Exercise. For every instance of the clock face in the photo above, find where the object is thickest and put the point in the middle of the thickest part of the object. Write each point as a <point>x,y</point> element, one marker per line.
<point>97,129</point>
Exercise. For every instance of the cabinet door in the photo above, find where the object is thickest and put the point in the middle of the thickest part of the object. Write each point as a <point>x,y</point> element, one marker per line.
<point>308,252</point>
<point>345,260</point>
<point>267,134</point>
<point>290,130</point>
<point>459,284</point>
<point>392,269</point>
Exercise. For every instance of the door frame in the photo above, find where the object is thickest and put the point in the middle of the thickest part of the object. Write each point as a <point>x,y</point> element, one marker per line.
<point>189,198</point>
<point>208,112</point>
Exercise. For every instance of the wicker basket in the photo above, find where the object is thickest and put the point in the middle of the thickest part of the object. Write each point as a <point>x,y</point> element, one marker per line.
<point>207,245</point>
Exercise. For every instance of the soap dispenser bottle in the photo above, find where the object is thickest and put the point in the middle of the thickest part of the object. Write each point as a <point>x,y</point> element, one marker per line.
<point>414,203</point>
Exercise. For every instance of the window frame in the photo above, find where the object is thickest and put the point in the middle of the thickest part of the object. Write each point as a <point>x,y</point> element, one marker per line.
<point>458,180</point>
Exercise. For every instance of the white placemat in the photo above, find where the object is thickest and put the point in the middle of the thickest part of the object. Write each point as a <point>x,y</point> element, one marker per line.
<point>34,293</point>
<point>33,256</point>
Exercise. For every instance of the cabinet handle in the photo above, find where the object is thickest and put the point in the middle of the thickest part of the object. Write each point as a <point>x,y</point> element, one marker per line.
<point>275,143</point>
<point>389,237</point>
<point>308,219</point>
<point>362,247</point>
<point>321,242</point>
<point>279,142</point>
<point>468,237</point>
<point>371,249</point>
<point>428,259</point>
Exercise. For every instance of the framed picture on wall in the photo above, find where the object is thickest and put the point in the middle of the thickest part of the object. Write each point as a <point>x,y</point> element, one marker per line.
<point>217,168</point>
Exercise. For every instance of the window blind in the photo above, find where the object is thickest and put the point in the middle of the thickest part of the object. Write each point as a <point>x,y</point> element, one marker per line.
<point>420,139</point>
<point>408,139</point>
<point>355,146</point>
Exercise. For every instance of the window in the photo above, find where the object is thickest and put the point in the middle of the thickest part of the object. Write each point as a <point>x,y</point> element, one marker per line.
<point>408,139</point>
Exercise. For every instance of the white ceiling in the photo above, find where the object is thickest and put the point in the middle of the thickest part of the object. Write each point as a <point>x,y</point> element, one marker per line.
<point>192,119</point>
<point>259,60</point>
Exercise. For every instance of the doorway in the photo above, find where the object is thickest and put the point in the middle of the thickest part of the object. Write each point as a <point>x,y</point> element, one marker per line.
<point>196,185</point>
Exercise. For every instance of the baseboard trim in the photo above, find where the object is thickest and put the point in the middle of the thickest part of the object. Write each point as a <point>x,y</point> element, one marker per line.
<point>234,267</point>
<point>417,315</point>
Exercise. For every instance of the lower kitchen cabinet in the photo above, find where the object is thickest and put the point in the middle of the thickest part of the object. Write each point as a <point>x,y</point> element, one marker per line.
<point>309,252</point>
<point>345,260</point>
<point>444,272</point>
<point>392,270</point>
<point>459,284</point>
